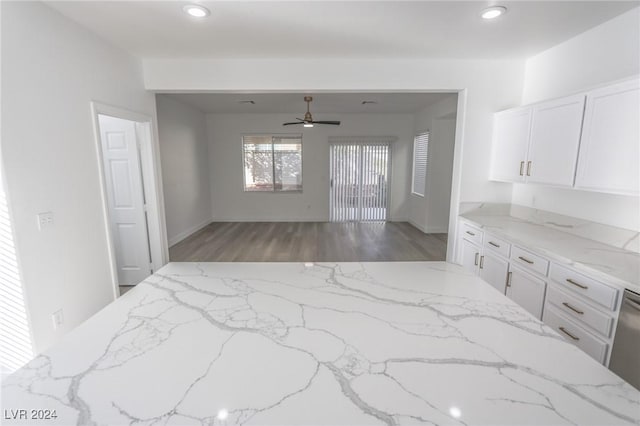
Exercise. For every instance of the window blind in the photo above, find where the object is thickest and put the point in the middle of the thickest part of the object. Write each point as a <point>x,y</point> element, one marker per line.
<point>420,150</point>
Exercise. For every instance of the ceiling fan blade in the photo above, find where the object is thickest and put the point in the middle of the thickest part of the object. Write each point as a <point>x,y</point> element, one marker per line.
<point>334,123</point>
<point>295,122</point>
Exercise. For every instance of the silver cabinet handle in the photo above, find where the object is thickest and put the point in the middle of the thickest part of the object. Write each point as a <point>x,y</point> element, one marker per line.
<point>528,168</point>
<point>570,281</point>
<point>524,259</point>
<point>521,168</point>
<point>481,261</point>
<point>470,233</point>
<point>494,244</point>
<point>577,311</point>
<point>568,334</point>
<point>475,262</point>
<point>509,274</point>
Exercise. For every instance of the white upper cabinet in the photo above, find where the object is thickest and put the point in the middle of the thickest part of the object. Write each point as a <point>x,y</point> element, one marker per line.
<point>589,141</point>
<point>510,141</point>
<point>554,141</point>
<point>609,158</point>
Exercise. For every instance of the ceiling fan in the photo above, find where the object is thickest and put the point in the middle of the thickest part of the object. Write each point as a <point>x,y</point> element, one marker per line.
<point>308,119</point>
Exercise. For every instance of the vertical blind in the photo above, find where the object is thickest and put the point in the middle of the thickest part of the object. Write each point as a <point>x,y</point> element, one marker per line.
<point>359,181</point>
<point>420,149</point>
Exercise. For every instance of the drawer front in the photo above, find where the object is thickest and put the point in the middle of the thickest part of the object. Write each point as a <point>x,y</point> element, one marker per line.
<point>529,261</point>
<point>583,285</point>
<point>471,233</point>
<point>574,307</point>
<point>575,334</point>
<point>497,245</point>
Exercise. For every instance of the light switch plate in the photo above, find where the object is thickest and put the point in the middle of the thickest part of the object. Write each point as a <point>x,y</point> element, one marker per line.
<point>45,220</point>
<point>58,319</point>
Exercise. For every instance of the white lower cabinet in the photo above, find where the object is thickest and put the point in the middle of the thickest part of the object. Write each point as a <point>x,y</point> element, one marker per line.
<point>526,290</point>
<point>581,308</point>
<point>493,270</point>
<point>470,256</point>
<point>576,334</point>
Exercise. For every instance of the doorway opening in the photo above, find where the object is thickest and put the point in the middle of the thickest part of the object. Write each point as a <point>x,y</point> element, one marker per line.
<point>359,182</point>
<point>127,172</point>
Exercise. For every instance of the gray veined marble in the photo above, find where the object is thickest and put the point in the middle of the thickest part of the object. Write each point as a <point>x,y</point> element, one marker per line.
<point>569,241</point>
<point>284,343</point>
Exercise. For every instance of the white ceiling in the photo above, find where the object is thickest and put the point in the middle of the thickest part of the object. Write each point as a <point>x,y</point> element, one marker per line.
<point>322,103</point>
<point>355,29</point>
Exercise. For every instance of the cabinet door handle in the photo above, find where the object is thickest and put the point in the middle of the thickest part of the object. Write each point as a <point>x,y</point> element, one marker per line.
<point>470,233</point>
<point>475,262</point>
<point>570,281</point>
<point>494,244</point>
<point>568,334</point>
<point>524,259</point>
<point>522,168</point>
<point>577,311</point>
<point>481,261</point>
<point>509,278</point>
<point>528,168</point>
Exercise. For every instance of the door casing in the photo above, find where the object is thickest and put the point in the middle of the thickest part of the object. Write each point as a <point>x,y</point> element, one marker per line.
<point>146,127</point>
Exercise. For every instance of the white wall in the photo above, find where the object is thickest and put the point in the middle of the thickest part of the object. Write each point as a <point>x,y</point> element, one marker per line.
<point>488,86</point>
<point>431,212</point>
<point>51,69</point>
<point>491,86</point>
<point>182,131</point>
<point>231,203</point>
<point>605,53</point>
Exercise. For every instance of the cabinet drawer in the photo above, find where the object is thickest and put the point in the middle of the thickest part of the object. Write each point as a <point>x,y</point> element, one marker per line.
<point>575,334</point>
<point>530,261</point>
<point>471,233</point>
<point>572,306</point>
<point>585,286</point>
<point>497,245</point>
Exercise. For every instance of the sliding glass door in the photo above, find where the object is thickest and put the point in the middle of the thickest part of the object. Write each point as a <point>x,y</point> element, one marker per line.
<point>359,185</point>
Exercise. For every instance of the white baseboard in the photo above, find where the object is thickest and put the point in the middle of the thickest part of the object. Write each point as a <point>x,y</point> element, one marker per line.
<point>235,219</point>
<point>437,230</point>
<point>429,229</point>
<point>415,225</point>
<point>184,234</point>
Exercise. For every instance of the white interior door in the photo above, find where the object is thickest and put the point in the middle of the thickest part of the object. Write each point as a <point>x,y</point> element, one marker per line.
<point>359,182</point>
<point>126,199</point>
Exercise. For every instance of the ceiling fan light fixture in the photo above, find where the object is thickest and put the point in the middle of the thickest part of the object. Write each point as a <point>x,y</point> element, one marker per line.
<point>493,12</point>
<point>196,11</point>
<point>308,124</point>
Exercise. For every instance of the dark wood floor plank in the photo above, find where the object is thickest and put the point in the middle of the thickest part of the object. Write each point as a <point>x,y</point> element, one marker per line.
<point>309,242</point>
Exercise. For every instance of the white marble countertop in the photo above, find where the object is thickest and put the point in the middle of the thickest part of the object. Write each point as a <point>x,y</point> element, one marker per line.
<point>614,265</point>
<point>285,343</point>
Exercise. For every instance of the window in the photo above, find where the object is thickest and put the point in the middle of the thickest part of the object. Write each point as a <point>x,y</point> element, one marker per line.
<point>272,163</point>
<point>420,147</point>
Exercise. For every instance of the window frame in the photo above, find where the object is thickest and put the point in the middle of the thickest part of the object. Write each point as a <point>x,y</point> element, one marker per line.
<point>273,165</point>
<point>416,139</point>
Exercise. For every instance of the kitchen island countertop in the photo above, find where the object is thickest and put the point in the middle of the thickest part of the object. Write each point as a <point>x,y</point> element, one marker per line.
<point>290,343</point>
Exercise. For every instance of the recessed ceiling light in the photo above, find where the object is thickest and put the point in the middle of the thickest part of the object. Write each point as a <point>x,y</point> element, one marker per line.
<point>196,10</point>
<point>493,12</point>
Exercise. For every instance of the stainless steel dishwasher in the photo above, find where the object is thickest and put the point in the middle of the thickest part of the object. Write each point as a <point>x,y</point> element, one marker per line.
<point>625,355</point>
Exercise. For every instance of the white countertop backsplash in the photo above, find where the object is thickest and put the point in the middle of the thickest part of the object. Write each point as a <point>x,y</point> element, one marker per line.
<point>599,250</point>
<point>307,344</point>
